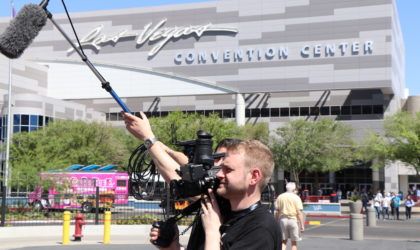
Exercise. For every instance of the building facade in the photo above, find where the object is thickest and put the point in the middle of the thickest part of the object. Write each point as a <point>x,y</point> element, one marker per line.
<point>253,61</point>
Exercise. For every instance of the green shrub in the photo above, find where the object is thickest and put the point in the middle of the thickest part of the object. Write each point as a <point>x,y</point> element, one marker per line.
<point>355,198</point>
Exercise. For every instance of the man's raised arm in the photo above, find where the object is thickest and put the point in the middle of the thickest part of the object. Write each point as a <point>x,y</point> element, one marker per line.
<point>166,160</point>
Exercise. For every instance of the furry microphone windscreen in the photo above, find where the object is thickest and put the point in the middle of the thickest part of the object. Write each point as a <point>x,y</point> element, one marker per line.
<point>22,30</point>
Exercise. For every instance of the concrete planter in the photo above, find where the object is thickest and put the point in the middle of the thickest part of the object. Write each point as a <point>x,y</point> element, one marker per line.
<point>355,206</point>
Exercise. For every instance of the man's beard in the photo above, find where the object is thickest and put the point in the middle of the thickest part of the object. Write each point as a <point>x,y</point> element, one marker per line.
<point>227,192</point>
<point>221,190</point>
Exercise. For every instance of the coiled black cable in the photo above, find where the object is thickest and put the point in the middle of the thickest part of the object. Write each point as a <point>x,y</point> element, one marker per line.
<point>144,179</point>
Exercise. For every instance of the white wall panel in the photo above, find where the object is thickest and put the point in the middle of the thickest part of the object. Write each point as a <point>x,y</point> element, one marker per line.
<point>76,81</point>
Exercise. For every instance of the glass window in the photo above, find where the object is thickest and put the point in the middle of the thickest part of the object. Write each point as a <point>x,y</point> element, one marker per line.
<point>284,112</point>
<point>208,112</point>
<point>113,116</point>
<point>366,109</point>
<point>16,129</point>
<point>147,113</point>
<point>48,120</point>
<point>294,111</point>
<point>378,109</point>
<point>325,110</point>
<point>33,120</point>
<point>32,128</point>
<point>346,110</point>
<point>335,110</point>
<point>356,110</point>
<point>164,113</point>
<point>190,112</point>
<point>16,119</point>
<point>247,113</point>
<point>255,112</point>
<point>314,111</point>
<point>121,183</point>
<point>304,111</point>
<point>275,112</point>
<point>200,112</point>
<point>265,112</point>
<point>155,114</point>
<point>25,119</point>
<point>227,113</point>
<point>24,129</point>
<point>40,121</point>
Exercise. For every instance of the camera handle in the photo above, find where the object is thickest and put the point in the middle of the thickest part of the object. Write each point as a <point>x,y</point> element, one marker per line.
<point>168,227</point>
<point>167,232</point>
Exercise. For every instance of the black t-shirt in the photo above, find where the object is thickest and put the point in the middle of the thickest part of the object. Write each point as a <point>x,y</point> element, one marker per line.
<point>252,230</point>
<point>197,236</point>
<point>256,229</point>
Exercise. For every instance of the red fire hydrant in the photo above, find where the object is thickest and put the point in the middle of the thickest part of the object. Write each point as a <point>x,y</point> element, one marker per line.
<point>79,221</point>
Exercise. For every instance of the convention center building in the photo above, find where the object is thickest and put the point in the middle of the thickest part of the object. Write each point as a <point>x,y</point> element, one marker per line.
<point>252,61</point>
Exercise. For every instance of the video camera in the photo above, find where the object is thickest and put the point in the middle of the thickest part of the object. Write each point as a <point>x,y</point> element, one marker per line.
<point>200,173</point>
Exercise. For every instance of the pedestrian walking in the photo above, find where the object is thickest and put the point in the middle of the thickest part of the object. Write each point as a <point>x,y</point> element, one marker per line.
<point>395,206</point>
<point>365,202</point>
<point>377,200</point>
<point>409,203</point>
<point>289,214</point>
<point>386,202</point>
<point>339,194</point>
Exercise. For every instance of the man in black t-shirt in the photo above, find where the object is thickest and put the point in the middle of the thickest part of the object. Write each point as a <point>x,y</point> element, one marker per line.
<point>246,170</point>
<point>251,226</point>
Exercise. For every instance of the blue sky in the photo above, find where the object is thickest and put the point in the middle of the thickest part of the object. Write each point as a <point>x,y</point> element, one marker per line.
<point>408,12</point>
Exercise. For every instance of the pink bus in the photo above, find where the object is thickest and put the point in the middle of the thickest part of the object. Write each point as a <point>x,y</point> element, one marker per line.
<point>76,189</point>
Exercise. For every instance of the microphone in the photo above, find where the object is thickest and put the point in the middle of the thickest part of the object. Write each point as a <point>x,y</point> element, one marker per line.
<point>22,30</point>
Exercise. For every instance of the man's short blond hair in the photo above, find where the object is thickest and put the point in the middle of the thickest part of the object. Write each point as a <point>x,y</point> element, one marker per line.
<point>257,155</point>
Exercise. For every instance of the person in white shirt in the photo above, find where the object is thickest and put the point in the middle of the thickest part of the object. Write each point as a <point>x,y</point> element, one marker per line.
<point>377,201</point>
<point>409,203</point>
<point>386,202</point>
<point>289,214</point>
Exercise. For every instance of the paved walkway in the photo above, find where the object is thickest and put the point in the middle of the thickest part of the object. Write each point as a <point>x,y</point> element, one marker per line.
<point>331,234</point>
<point>50,237</point>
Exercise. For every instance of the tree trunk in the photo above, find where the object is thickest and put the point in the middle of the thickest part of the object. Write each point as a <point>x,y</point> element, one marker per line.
<point>316,183</point>
<point>294,176</point>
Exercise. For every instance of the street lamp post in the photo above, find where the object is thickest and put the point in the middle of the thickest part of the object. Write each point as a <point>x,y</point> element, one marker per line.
<point>8,138</point>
